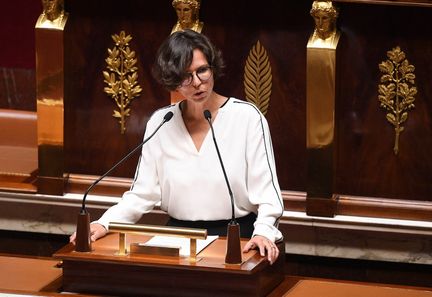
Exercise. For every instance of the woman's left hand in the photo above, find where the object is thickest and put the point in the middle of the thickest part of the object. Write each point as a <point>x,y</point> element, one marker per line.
<point>264,245</point>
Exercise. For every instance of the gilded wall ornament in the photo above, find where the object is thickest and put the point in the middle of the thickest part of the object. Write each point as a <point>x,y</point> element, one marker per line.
<point>122,78</point>
<point>258,78</point>
<point>397,91</point>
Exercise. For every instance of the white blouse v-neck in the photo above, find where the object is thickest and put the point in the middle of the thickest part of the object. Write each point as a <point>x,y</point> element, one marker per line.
<point>190,183</point>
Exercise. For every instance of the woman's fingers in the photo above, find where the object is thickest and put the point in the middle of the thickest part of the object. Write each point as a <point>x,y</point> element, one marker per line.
<point>96,231</point>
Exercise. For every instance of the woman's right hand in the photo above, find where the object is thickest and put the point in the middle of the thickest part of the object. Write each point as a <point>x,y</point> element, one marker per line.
<point>96,231</point>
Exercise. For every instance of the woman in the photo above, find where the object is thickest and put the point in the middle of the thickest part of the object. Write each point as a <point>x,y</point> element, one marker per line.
<point>179,166</point>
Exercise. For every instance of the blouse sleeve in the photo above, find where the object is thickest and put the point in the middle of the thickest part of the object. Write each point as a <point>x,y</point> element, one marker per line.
<point>262,182</point>
<point>144,193</point>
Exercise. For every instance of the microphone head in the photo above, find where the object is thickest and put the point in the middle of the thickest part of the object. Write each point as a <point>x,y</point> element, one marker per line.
<point>168,116</point>
<point>207,114</point>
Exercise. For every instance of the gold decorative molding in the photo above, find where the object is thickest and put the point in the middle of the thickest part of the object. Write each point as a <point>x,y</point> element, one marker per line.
<point>397,91</point>
<point>122,78</point>
<point>258,78</point>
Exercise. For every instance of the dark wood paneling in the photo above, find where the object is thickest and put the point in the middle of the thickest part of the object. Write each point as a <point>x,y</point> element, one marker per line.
<point>17,89</point>
<point>283,33</point>
<point>90,128</point>
<point>366,164</point>
<point>92,136</point>
<point>358,270</point>
<point>17,33</point>
<point>30,243</point>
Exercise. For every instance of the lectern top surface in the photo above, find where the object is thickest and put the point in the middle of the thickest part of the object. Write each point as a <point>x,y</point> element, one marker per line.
<point>212,257</point>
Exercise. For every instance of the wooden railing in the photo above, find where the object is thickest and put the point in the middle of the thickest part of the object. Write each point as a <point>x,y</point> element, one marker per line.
<point>18,150</point>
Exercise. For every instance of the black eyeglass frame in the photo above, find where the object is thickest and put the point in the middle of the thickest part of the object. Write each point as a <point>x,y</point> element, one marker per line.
<point>189,76</point>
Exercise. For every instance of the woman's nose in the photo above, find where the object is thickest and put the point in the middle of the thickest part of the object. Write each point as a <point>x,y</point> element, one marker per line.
<point>196,81</point>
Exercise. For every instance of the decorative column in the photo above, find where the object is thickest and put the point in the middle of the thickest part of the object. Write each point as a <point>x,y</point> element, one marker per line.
<point>320,110</point>
<point>49,33</point>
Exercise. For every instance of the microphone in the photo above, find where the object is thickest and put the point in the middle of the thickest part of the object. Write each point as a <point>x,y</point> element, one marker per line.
<point>207,115</point>
<point>233,254</point>
<point>83,242</point>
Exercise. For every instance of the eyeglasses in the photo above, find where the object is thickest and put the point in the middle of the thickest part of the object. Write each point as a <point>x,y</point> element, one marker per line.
<point>203,73</point>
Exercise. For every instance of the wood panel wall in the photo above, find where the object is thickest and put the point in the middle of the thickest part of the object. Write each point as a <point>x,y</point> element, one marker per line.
<point>17,54</point>
<point>90,128</point>
<point>365,164</point>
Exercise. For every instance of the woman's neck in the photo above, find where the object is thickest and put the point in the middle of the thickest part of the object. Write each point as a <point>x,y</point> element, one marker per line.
<point>195,111</point>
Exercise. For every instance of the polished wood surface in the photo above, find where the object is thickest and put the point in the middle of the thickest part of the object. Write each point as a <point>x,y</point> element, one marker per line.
<point>106,249</point>
<point>367,206</point>
<point>29,274</point>
<point>324,288</point>
<point>18,150</point>
<point>103,271</point>
<point>42,277</point>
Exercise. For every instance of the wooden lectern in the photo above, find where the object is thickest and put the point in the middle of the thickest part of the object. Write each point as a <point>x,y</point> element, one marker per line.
<point>103,271</point>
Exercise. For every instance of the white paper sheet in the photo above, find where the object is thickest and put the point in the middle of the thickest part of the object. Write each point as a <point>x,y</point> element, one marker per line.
<point>179,242</point>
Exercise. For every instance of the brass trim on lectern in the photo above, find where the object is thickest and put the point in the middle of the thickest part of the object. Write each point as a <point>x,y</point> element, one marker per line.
<point>192,233</point>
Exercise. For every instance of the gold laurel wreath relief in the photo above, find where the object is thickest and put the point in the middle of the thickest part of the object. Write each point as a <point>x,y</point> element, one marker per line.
<point>122,77</point>
<point>258,78</point>
<point>397,91</point>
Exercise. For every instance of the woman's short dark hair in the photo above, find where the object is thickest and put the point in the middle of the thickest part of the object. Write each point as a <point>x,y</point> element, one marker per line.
<point>175,56</point>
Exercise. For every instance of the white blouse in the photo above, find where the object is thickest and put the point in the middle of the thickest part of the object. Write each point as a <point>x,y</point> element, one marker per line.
<point>190,184</point>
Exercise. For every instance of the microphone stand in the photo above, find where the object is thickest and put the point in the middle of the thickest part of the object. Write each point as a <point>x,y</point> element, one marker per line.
<point>83,241</point>
<point>233,253</point>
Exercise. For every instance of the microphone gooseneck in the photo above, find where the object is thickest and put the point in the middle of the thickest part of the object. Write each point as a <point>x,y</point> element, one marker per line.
<point>83,241</point>
<point>207,116</point>
<point>233,251</point>
<point>166,118</point>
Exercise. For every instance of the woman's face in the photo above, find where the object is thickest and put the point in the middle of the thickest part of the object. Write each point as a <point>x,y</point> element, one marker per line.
<point>199,89</point>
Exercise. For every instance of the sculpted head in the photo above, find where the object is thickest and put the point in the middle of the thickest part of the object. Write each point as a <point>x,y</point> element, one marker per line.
<point>52,8</point>
<point>324,15</point>
<point>187,12</point>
